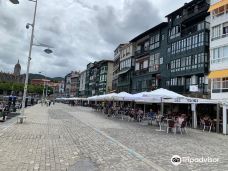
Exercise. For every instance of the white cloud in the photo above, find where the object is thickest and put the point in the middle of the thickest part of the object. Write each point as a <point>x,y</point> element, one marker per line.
<point>79,30</point>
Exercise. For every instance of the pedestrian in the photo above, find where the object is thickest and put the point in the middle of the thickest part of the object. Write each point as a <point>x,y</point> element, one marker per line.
<point>5,112</point>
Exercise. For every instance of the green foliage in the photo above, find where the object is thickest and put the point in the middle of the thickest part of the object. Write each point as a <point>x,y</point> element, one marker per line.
<point>35,89</point>
<point>50,90</point>
<point>19,87</point>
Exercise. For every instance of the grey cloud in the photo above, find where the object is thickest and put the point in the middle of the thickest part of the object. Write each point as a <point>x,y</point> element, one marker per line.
<point>81,31</point>
<point>118,26</point>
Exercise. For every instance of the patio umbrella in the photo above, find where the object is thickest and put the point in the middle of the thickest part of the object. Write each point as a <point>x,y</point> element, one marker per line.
<point>123,96</point>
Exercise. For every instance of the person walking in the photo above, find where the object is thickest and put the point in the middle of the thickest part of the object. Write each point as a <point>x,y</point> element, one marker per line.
<point>5,112</point>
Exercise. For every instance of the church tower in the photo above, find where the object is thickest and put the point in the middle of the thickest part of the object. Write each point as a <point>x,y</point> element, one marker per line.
<point>17,69</point>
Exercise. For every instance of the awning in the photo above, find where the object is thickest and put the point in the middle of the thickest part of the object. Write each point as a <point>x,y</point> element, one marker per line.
<point>218,74</point>
<point>218,5</point>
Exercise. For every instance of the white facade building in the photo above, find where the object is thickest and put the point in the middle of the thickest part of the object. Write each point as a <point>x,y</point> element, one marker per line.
<point>219,49</point>
<point>126,56</point>
<point>219,55</point>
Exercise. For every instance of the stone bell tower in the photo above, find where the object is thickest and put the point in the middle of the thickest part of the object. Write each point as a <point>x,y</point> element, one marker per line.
<point>17,69</point>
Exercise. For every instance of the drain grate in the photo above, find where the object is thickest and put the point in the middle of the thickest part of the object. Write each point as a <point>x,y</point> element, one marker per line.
<point>83,165</point>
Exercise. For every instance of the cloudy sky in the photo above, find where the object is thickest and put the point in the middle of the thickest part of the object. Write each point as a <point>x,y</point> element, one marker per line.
<point>81,31</point>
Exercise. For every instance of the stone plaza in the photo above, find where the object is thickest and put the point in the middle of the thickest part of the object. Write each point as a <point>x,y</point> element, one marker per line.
<point>64,138</point>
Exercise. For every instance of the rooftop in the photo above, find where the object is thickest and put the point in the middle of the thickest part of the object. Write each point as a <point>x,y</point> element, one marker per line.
<point>163,24</point>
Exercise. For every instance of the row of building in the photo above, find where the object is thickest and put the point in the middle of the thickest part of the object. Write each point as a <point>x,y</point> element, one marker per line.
<point>187,54</point>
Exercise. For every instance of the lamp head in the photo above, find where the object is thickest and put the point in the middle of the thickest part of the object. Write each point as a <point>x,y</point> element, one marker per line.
<point>14,1</point>
<point>27,26</point>
<point>48,51</point>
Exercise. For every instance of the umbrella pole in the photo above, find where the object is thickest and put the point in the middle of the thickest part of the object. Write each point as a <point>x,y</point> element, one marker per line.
<point>144,109</point>
<point>162,112</point>
<point>162,107</point>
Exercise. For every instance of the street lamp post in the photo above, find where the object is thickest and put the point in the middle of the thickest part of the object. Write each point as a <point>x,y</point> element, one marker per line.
<point>28,63</point>
<point>22,117</point>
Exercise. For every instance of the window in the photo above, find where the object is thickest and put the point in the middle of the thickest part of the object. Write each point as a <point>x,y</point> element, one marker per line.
<point>178,47</point>
<point>154,62</point>
<point>189,43</point>
<point>188,62</point>
<point>200,60</point>
<point>174,32</point>
<point>177,16</point>
<point>201,39</point>
<point>200,26</point>
<point>155,41</point>
<point>179,81</point>
<point>194,61</point>
<point>161,60</point>
<point>201,81</point>
<point>183,64</point>
<point>178,64</point>
<point>219,54</point>
<point>187,83</point>
<point>125,64</point>
<point>145,64</point>
<point>103,78</point>
<point>146,46</point>
<point>174,81</point>
<point>163,37</point>
<point>216,31</point>
<point>138,49</point>
<point>173,66</point>
<point>225,83</point>
<point>173,48</point>
<point>170,20</point>
<point>185,44</point>
<point>136,66</point>
<point>195,41</point>
<point>225,28</point>
<point>216,84</point>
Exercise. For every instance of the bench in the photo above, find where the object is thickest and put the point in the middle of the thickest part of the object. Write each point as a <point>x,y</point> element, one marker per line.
<point>20,119</point>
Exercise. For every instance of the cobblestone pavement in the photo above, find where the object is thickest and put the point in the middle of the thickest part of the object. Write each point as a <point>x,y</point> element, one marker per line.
<point>78,139</point>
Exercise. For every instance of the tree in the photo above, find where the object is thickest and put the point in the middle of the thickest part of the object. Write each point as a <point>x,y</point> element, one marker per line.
<point>19,87</point>
<point>50,90</point>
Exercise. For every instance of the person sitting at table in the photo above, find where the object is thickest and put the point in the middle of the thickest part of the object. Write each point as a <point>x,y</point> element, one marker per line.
<point>140,115</point>
<point>151,114</point>
<point>131,114</point>
<point>206,118</point>
<point>180,119</point>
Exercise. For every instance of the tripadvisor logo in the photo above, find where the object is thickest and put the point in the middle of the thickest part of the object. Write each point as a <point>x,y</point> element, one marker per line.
<point>176,160</point>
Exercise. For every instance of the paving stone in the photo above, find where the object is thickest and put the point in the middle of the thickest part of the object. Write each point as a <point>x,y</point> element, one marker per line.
<point>62,138</point>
